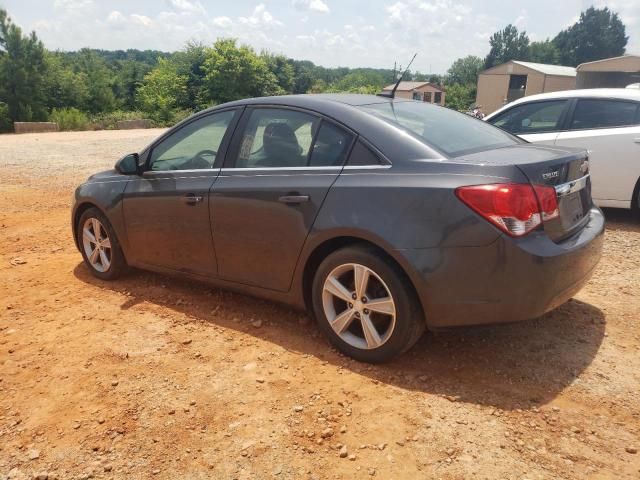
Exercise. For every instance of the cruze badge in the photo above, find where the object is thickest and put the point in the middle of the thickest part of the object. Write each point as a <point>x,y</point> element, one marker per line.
<point>549,175</point>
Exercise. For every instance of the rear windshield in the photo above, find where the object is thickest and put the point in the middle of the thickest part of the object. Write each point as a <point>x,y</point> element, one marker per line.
<point>446,130</point>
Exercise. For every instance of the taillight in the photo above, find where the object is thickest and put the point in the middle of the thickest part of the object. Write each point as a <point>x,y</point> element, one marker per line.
<point>548,201</point>
<point>515,208</point>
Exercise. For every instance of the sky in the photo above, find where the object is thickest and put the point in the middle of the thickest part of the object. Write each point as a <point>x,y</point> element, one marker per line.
<point>365,33</point>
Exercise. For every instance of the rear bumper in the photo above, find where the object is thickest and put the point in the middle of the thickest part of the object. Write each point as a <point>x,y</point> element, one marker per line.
<point>506,281</point>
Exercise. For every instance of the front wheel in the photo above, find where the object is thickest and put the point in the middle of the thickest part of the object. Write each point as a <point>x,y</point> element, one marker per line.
<point>365,305</point>
<point>99,245</point>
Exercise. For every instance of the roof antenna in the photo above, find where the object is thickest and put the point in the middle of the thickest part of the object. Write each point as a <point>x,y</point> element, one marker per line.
<point>395,87</point>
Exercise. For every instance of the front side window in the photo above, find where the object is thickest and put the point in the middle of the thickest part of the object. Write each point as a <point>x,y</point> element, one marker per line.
<point>604,114</point>
<point>277,137</point>
<point>444,129</point>
<point>194,146</point>
<point>534,117</point>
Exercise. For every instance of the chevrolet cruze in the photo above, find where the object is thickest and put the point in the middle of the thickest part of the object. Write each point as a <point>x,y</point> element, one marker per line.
<point>382,217</point>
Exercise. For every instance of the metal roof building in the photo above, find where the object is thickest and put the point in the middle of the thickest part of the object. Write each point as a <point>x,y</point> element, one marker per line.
<point>422,91</point>
<point>509,81</point>
<point>616,72</point>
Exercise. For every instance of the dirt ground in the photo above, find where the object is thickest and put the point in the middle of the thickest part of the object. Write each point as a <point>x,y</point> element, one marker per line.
<point>154,377</point>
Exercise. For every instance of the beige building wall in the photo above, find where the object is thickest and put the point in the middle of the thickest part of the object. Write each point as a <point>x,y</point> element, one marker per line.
<point>422,90</point>
<point>432,90</point>
<point>403,94</point>
<point>555,83</point>
<point>535,83</point>
<point>492,91</point>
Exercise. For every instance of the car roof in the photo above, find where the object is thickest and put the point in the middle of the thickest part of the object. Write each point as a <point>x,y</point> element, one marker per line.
<point>613,93</point>
<point>342,108</point>
<point>308,100</point>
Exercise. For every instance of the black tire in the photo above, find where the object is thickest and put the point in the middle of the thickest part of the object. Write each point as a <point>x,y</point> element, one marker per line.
<point>118,264</point>
<point>409,319</point>
<point>635,202</point>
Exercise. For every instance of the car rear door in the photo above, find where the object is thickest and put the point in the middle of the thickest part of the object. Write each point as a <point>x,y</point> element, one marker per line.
<point>281,165</point>
<point>610,130</point>
<point>166,208</point>
<point>536,122</point>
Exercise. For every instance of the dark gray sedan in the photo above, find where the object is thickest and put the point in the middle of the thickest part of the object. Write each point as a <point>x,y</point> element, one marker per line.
<point>381,217</point>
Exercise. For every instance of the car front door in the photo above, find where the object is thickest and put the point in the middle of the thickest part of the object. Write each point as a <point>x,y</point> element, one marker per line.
<point>536,122</point>
<point>166,208</point>
<point>610,130</point>
<point>281,166</point>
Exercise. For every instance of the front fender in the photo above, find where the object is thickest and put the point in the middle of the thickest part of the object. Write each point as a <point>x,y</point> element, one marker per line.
<point>106,194</point>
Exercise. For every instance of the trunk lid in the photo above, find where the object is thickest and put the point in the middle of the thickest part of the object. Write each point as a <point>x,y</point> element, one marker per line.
<point>564,168</point>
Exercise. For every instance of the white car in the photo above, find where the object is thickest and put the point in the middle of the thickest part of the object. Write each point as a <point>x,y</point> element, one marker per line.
<point>604,121</point>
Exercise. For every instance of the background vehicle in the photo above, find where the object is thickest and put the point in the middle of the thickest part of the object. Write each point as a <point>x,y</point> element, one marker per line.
<point>604,121</point>
<point>379,216</point>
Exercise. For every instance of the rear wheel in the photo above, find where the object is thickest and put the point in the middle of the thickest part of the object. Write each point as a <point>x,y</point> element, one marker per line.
<point>635,202</point>
<point>99,245</point>
<point>365,305</point>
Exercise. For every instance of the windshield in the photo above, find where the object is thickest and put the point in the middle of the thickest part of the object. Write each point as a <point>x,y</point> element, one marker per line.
<point>444,129</point>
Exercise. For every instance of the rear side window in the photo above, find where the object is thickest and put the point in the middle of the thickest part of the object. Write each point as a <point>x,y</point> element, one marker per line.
<point>604,114</point>
<point>361,155</point>
<point>331,146</point>
<point>276,138</point>
<point>534,117</point>
<point>444,129</point>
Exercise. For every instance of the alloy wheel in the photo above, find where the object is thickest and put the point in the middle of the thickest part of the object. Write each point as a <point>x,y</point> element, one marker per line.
<point>96,244</point>
<point>359,306</point>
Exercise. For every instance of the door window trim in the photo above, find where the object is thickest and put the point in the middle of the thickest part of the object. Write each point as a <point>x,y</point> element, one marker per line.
<point>233,151</point>
<point>222,151</point>
<point>570,117</point>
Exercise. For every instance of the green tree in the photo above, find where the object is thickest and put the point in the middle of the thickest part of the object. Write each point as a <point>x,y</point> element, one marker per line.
<point>283,70</point>
<point>544,52</point>
<point>233,72</point>
<point>100,80</point>
<point>64,86</point>
<point>22,72</point>
<point>598,34</point>
<point>319,86</point>
<point>507,44</point>
<point>460,97</point>
<point>129,75</point>
<point>5,121</point>
<point>359,81</point>
<point>465,70</point>
<point>190,62</point>
<point>162,92</point>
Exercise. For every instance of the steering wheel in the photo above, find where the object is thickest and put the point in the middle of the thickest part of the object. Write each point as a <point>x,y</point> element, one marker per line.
<point>205,152</point>
<point>198,160</point>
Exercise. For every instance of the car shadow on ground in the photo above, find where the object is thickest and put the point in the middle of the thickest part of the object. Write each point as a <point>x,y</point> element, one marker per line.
<point>621,220</point>
<point>507,366</point>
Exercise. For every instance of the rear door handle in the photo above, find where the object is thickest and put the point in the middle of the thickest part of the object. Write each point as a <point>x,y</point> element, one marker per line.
<point>294,199</point>
<point>637,140</point>
<point>191,199</point>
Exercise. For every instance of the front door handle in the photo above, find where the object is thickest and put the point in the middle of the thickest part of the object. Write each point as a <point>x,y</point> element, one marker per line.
<point>191,199</point>
<point>637,140</point>
<point>294,199</point>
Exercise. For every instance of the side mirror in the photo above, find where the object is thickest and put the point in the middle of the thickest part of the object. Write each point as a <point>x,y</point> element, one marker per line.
<point>128,165</point>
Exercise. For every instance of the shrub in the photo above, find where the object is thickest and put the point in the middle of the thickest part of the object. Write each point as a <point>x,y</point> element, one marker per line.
<point>69,119</point>
<point>108,121</point>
